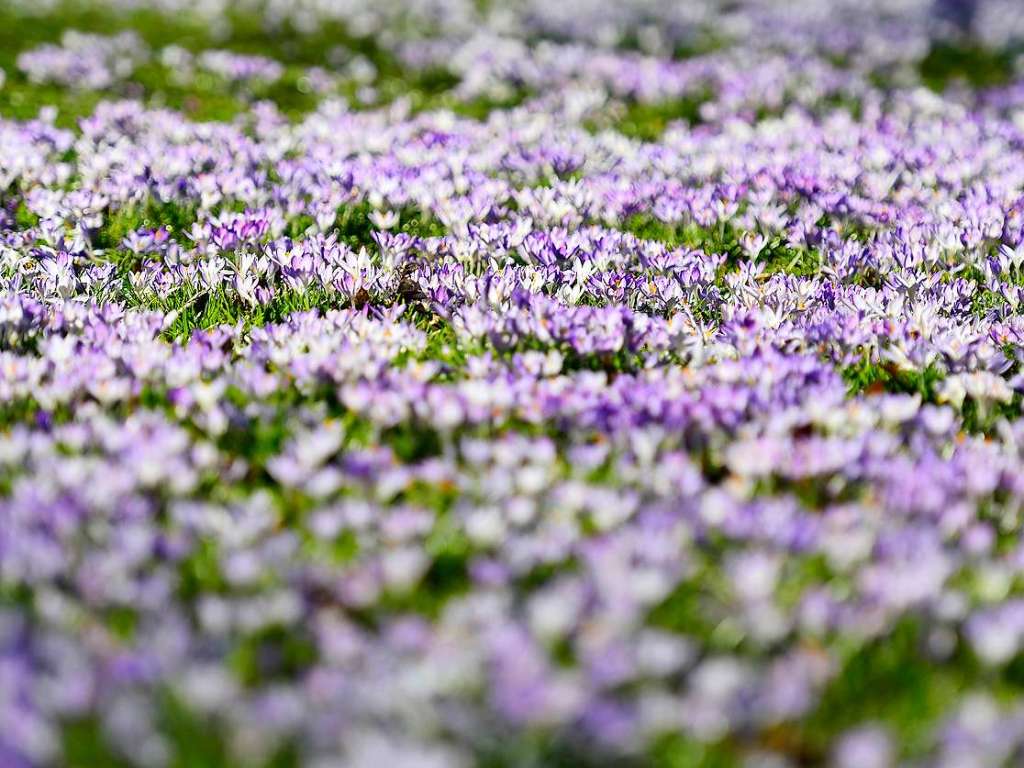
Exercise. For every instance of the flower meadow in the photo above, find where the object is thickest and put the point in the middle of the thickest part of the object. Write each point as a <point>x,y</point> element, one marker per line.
<point>468,384</point>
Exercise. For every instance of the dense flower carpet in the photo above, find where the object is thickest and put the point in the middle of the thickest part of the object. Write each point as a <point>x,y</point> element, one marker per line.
<point>468,384</point>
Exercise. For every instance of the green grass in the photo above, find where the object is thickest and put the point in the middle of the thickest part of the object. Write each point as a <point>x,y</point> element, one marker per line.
<point>889,680</point>
<point>866,377</point>
<point>199,310</point>
<point>272,654</point>
<point>194,742</point>
<point>972,64</point>
<point>681,751</point>
<point>647,121</point>
<point>777,256</point>
<point>175,217</point>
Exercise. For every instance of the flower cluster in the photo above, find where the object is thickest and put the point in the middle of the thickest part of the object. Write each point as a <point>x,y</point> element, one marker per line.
<point>641,385</point>
<point>83,60</point>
